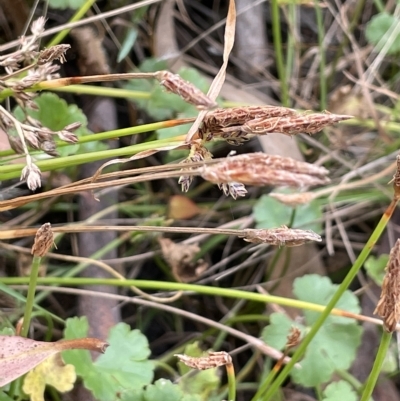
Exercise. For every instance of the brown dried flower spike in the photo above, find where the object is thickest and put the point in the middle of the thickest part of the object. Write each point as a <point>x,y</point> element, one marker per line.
<point>388,307</point>
<point>396,179</point>
<point>260,169</point>
<point>213,360</point>
<point>43,240</point>
<point>186,90</point>
<point>53,53</point>
<point>280,236</point>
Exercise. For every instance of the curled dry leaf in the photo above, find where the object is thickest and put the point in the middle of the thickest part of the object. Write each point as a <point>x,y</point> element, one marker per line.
<point>181,259</point>
<point>280,236</point>
<point>19,355</point>
<point>293,199</point>
<point>213,360</point>
<point>182,207</point>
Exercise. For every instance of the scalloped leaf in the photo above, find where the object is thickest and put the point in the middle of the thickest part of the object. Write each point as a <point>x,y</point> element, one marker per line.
<point>124,367</point>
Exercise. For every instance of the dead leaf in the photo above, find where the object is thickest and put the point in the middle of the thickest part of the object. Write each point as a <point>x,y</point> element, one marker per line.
<point>181,259</point>
<point>182,207</point>
<point>19,355</point>
<point>52,371</point>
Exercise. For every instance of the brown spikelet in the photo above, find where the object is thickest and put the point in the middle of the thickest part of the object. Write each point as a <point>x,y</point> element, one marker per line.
<point>217,120</point>
<point>260,169</point>
<point>280,236</point>
<point>293,124</point>
<point>396,179</point>
<point>213,360</point>
<point>185,89</point>
<point>293,338</point>
<point>43,240</point>
<point>53,53</point>
<point>388,307</point>
<point>197,154</point>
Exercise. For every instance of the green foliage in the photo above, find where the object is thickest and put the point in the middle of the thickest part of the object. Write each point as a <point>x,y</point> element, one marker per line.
<point>379,32</point>
<point>337,339</point>
<point>200,382</point>
<point>124,366</point>
<point>163,105</point>
<point>161,390</point>
<point>375,267</point>
<point>64,4</point>
<point>5,397</point>
<point>340,390</point>
<point>270,213</point>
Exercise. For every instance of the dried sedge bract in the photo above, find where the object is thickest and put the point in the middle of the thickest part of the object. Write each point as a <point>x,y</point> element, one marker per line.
<point>182,260</point>
<point>396,179</point>
<point>388,307</point>
<point>53,53</point>
<point>185,89</point>
<point>44,240</point>
<point>280,236</point>
<point>293,338</point>
<point>198,153</point>
<point>213,360</point>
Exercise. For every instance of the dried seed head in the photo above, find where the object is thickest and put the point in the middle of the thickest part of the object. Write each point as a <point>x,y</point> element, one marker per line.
<point>16,144</point>
<point>37,27</point>
<point>280,236</point>
<point>293,199</point>
<point>215,121</point>
<point>293,338</point>
<point>186,90</point>
<point>32,175</point>
<point>396,179</point>
<point>293,124</point>
<point>213,360</point>
<point>53,53</point>
<point>234,189</point>
<point>388,307</point>
<point>43,240</point>
<point>197,154</point>
<point>260,169</point>
<point>67,136</point>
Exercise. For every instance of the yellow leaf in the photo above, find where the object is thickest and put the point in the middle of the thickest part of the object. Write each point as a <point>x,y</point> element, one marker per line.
<point>54,372</point>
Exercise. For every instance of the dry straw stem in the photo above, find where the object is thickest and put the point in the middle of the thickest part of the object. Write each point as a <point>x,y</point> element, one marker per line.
<point>388,307</point>
<point>44,240</point>
<point>213,360</point>
<point>260,169</point>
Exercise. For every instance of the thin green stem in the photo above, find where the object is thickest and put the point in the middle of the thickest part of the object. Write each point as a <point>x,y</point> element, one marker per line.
<point>331,304</point>
<point>276,29</point>
<point>31,295</point>
<point>76,17</point>
<point>171,286</point>
<point>376,369</point>
<point>230,370</point>
<point>265,385</point>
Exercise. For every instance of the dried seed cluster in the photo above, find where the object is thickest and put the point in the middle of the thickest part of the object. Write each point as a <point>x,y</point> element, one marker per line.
<point>238,124</point>
<point>260,169</point>
<point>44,240</point>
<point>39,67</point>
<point>213,360</point>
<point>388,307</point>
<point>280,236</point>
<point>186,90</point>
